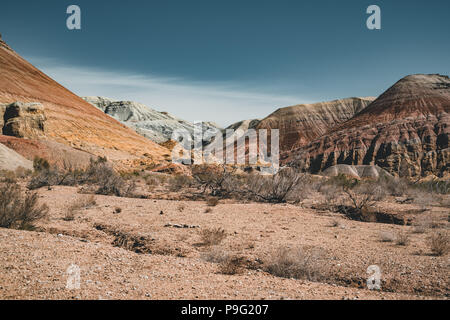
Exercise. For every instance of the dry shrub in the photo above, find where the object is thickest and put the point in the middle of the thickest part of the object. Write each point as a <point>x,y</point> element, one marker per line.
<point>439,243</point>
<point>212,202</point>
<point>212,236</point>
<point>8,176</point>
<point>179,182</point>
<point>331,196</point>
<point>286,184</point>
<point>231,265</point>
<point>394,186</point>
<point>215,180</point>
<point>297,263</point>
<point>402,239</point>
<point>181,207</point>
<point>364,195</point>
<point>18,210</point>
<point>22,173</point>
<point>117,210</point>
<point>386,236</point>
<point>83,202</point>
<point>208,210</point>
<point>215,254</point>
<point>98,173</point>
<point>425,222</point>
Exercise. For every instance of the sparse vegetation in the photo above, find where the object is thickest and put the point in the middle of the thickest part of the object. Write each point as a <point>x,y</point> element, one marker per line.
<point>83,202</point>
<point>278,188</point>
<point>215,180</point>
<point>179,181</point>
<point>19,210</point>
<point>231,265</point>
<point>402,239</point>
<point>212,236</point>
<point>439,243</point>
<point>98,173</point>
<point>298,263</point>
<point>215,254</point>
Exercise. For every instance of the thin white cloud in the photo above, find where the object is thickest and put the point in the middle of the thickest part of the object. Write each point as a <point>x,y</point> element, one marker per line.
<point>223,103</point>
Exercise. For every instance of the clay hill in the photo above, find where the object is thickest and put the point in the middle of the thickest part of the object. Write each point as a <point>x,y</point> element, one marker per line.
<point>154,125</point>
<point>36,109</point>
<point>404,131</point>
<point>298,125</point>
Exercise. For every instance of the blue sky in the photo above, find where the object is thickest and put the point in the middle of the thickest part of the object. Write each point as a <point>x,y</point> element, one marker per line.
<point>228,60</point>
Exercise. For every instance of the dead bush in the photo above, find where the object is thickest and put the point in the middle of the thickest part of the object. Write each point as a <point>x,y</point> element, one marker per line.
<point>40,164</point>
<point>83,202</point>
<point>212,236</point>
<point>8,176</point>
<point>359,200</point>
<point>231,265</point>
<point>394,186</point>
<point>18,210</point>
<point>216,180</point>
<point>99,174</point>
<point>215,255</point>
<point>402,239</point>
<point>297,263</point>
<point>276,188</point>
<point>439,243</point>
<point>179,182</point>
<point>331,196</point>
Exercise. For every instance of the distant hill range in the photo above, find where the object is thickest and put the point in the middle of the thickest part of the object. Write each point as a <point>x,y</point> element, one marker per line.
<point>404,131</point>
<point>154,125</point>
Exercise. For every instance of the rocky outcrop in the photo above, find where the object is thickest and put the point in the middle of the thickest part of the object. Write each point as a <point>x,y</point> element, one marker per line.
<point>69,119</point>
<point>22,120</point>
<point>405,131</point>
<point>298,125</point>
<point>154,125</point>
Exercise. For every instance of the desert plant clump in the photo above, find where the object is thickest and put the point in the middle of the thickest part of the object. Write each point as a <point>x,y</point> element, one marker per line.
<point>117,210</point>
<point>18,210</point>
<point>83,202</point>
<point>402,239</point>
<point>218,181</point>
<point>179,181</point>
<point>216,255</point>
<point>40,164</point>
<point>212,236</point>
<point>231,265</point>
<point>8,176</point>
<point>279,188</point>
<point>297,263</point>
<point>439,243</point>
<point>99,174</point>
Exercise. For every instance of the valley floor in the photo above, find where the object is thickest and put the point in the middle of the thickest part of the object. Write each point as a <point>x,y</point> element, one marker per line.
<point>144,252</point>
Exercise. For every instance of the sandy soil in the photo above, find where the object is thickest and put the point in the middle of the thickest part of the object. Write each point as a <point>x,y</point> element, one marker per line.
<point>172,266</point>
